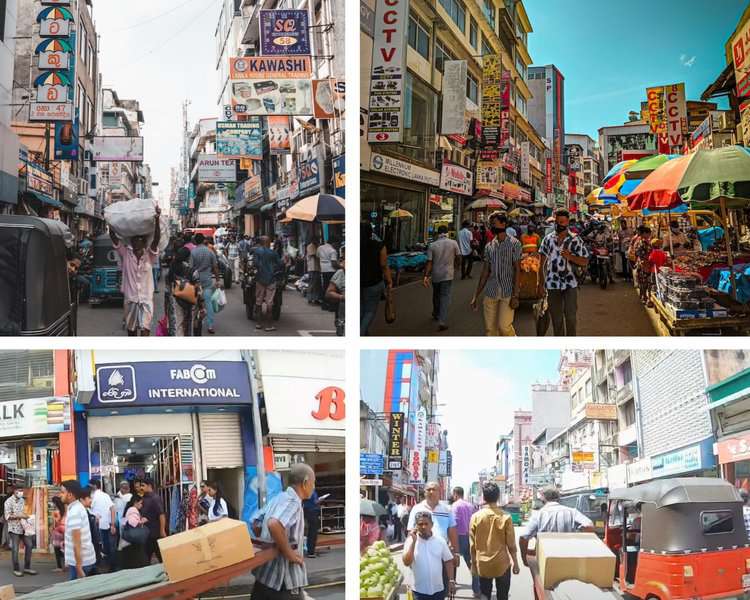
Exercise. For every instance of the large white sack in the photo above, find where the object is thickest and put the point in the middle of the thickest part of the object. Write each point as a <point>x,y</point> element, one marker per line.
<point>131,217</point>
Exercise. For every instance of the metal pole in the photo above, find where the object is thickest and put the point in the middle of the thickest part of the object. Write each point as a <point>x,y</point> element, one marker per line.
<point>250,359</point>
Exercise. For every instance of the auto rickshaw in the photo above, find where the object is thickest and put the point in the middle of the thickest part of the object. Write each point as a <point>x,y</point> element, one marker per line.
<point>35,297</point>
<point>106,274</point>
<point>681,538</point>
<point>514,510</point>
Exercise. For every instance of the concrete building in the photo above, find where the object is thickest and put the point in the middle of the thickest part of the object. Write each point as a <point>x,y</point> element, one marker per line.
<point>634,136</point>
<point>407,174</point>
<point>550,404</point>
<point>9,142</point>
<point>582,157</point>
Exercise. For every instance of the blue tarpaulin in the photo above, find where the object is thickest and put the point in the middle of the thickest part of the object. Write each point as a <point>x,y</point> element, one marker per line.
<point>720,280</point>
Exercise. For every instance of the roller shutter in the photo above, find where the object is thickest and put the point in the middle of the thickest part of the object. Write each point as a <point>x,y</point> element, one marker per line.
<point>221,440</point>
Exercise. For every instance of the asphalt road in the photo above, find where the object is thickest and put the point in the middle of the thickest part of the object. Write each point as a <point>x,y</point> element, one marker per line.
<point>616,311</point>
<point>298,318</point>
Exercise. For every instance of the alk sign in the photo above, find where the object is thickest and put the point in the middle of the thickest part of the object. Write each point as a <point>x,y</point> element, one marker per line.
<point>34,416</point>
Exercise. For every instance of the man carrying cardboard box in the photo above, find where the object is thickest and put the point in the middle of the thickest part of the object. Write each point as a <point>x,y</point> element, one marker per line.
<point>554,517</point>
<point>282,521</point>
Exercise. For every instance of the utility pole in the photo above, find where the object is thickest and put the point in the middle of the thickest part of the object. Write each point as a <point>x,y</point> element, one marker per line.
<point>250,358</point>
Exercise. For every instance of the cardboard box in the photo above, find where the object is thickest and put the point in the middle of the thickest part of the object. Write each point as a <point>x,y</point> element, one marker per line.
<point>212,546</point>
<point>7,592</point>
<point>581,556</point>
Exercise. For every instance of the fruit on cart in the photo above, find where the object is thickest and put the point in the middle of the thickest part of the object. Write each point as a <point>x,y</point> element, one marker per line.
<point>378,572</point>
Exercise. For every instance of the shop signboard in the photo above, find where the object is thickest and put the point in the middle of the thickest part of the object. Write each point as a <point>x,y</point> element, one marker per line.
<point>240,139</point>
<point>395,441</point>
<point>399,168</point>
<point>433,435</point>
<point>118,149</point>
<point>282,462</point>
<point>680,461</point>
<point>734,449</point>
<point>604,412</point>
<point>279,134</point>
<point>271,85</point>
<point>329,98</point>
<point>432,465</point>
<point>366,19</point>
<point>50,111</point>
<point>54,53</point>
<point>525,464</point>
<point>66,140</point>
<point>511,191</point>
<point>252,188</point>
<point>34,416</point>
<point>745,122</point>
<point>582,457</point>
<point>420,440</point>
<point>388,71</point>
<point>505,84</point>
<point>617,477</point>
<point>489,174</point>
<point>212,169</point>
<point>54,28</point>
<point>657,121</point>
<point>741,60</point>
<point>416,467</point>
<point>284,32</point>
<point>371,482</point>
<point>141,384</point>
<point>370,464</point>
<point>456,179</point>
<point>39,180</point>
<point>309,175</point>
<point>703,131</point>
<point>454,97</point>
<point>548,175</point>
<point>491,104</point>
<point>443,463</point>
<point>676,117</point>
<point>525,166</point>
<point>339,175</point>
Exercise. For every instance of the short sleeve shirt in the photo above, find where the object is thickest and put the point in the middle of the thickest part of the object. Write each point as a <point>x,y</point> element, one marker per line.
<point>152,509</point>
<point>14,507</point>
<point>465,237</point>
<point>77,517</point>
<point>502,258</point>
<point>442,518</point>
<point>429,556</point>
<point>560,274</point>
<point>327,255</point>
<point>203,260</point>
<point>339,280</point>
<point>443,252</point>
<point>101,505</point>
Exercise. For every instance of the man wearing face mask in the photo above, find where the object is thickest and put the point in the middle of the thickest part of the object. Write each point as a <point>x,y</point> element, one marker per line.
<point>681,244</point>
<point>16,517</point>
<point>560,251</point>
<point>501,273</point>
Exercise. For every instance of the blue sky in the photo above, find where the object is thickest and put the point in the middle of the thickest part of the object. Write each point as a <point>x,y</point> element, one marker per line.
<point>480,390</point>
<point>610,51</point>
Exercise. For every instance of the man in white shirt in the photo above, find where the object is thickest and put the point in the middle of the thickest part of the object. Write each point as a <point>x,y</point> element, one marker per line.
<point>443,519</point>
<point>123,497</point>
<point>430,560</point>
<point>80,556</point>
<point>442,258</point>
<point>465,237</point>
<point>105,512</point>
<point>327,257</point>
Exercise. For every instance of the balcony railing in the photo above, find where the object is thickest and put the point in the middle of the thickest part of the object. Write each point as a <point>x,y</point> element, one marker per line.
<point>624,393</point>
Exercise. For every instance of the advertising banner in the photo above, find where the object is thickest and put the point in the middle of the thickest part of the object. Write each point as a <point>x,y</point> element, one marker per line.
<point>525,166</point>
<point>370,464</point>
<point>34,416</point>
<point>279,134</point>
<point>548,175</point>
<point>54,28</point>
<point>489,175</point>
<point>399,168</point>
<point>455,178</point>
<point>676,115</point>
<point>395,441</point>
<point>741,59</point>
<point>66,140</point>
<point>388,74</point>
<point>50,111</point>
<point>745,122</point>
<point>309,175</point>
<point>505,84</point>
<point>734,449</point>
<point>454,97</point>
<point>180,382</point>
<point>252,188</point>
<point>339,175</point>
<point>54,53</point>
<point>118,149</point>
<point>443,463</point>
<point>680,461</point>
<point>284,32</point>
<point>212,169</point>
<point>39,180</point>
<point>328,98</point>
<point>420,430</point>
<point>432,465</point>
<point>271,85</point>
<point>433,435</point>
<point>491,99</point>
<point>655,110</point>
<point>416,467</point>
<point>240,139</point>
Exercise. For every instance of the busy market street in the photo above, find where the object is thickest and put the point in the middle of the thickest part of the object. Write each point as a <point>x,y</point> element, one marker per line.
<point>587,473</point>
<point>118,172</point>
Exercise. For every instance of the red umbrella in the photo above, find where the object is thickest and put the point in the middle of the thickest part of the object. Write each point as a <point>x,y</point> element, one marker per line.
<point>658,191</point>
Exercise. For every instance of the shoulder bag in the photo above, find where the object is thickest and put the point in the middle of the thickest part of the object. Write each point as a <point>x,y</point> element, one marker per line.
<point>184,290</point>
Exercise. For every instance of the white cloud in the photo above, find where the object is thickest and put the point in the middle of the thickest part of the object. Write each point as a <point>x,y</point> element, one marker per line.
<point>685,61</point>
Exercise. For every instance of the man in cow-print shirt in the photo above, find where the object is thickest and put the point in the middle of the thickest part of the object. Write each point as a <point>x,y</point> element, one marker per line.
<point>561,250</point>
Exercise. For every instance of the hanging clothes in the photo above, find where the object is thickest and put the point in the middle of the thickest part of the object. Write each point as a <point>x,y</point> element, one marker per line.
<point>174,508</point>
<point>192,511</point>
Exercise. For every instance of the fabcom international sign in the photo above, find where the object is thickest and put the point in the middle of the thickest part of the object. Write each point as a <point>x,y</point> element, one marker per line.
<point>388,71</point>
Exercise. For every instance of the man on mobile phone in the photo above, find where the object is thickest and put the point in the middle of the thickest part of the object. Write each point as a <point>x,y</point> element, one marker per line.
<point>430,558</point>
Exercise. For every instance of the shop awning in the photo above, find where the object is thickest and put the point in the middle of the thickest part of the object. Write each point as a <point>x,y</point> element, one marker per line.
<point>723,84</point>
<point>308,443</point>
<point>39,197</point>
<point>267,206</point>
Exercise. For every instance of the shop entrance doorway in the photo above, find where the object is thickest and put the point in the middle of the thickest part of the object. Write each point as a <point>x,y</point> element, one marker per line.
<point>231,482</point>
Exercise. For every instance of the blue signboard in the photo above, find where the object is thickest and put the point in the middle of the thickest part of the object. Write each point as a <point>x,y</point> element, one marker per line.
<point>309,175</point>
<point>370,464</point>
<point>339,176</point>
<point>284,32</point>
<point>175,383</point>
<point>240,139</point>
<point>66,139</point>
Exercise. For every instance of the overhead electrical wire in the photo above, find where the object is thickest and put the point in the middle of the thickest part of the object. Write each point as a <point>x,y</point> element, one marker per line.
<point>152,19</point>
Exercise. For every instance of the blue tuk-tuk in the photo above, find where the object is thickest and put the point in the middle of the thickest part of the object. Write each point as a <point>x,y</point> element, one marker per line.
<point>106,274</point>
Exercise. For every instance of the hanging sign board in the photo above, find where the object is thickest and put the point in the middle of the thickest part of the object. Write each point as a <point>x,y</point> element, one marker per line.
<point>284,32</point>
<point>454,97</point>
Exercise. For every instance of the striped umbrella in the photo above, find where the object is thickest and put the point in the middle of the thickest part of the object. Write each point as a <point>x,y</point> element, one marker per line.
<point>321,208</point>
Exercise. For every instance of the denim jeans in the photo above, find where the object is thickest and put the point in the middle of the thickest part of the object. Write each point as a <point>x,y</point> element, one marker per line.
<point>441,300</point>
<point>207,293</point>
<point>563,307</point>
<point>16,539</point>
<point>463,550</point>
<point>87,571</point>
<point>107,548</point>
<point>368,306</point>
<point>438,596</point>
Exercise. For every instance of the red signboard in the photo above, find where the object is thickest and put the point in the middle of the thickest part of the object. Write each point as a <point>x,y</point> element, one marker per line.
<point>572,183</point>
<point>548,176</point>
<point>734,449</point>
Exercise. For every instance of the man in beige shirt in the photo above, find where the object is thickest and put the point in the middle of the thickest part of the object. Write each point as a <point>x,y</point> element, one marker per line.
<point>492,543</point>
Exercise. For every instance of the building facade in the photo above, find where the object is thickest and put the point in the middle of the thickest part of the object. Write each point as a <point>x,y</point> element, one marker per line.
<point>9,142</point>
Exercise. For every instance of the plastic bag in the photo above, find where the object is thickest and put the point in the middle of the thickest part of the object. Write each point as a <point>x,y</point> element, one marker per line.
<point>129,218</point>
<point>162,327</point>
<point>218,300</point>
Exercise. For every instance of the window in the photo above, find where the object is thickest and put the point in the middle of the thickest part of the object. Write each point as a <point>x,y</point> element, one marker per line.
<point>419,36</point>
<point>441,55</point>
<point>457,12</point>
<point>473,33</point>
<point>489,12</point>
<point>717,521</point>
<point>26,374</point>
<point>486,48</point>
<point>588,388</point>
<point>420,118</point>
<point>521,105</point>
<point>2,20</point>
<point>109,120</point>
<point>521,68</point>
<point>472,89</point>
<point>84,46</point>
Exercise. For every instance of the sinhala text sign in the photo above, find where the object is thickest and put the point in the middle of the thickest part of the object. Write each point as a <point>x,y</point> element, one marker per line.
<point>284,32</point>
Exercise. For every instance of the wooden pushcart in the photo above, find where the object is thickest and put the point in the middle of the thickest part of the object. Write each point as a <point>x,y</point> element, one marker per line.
<point>540,593</point>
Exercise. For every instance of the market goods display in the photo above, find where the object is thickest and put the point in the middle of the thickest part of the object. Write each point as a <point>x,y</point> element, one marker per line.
<point>379,576</point>
<point>685,295</point>
<point>530,263</point>
<point>693,261</point>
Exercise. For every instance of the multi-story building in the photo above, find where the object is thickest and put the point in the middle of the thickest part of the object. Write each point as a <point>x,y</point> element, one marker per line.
<point>504,469</point>
<point>9,142</point>
<point>633,136</point>
<point>407,174</point>
<point>581,157</point>
<point>550,407</point>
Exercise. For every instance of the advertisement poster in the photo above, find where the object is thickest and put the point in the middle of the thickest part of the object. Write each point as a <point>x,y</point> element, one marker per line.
<point>395,441</point>
<point>279,134</point>
<point>388,71</point>
<point>118,149</point>
<point>676,115</point>
<point>339,175</point>
<point>548,175</point>
<point>455,178</point>
<point>327,98</point>
<point>35,416</point>
<point>491,106</point>
<point>212,169</point>
<point>39,180</point>
<point>66,140</point>
<point>488,175</point>
<point>525,166</point>
<point>454,97</point>
<point>271,86</point>
<point>240,139</point>
<point>284,32</point>
<point>309,175</point>
<point>741,59</point>
<point>655,109</point>
<point>505,109</point>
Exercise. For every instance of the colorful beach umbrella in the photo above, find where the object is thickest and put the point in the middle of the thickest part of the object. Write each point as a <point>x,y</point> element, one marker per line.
<point>487,203</point>
<point>54,45</point>
<point>599,197</point>
<point>52,78</point>
<point>322,208</point>
<point>54,12</point>
<point>717,176</point>
<point>618,169</point>
<point>658,191</point>
<point>647,165</point>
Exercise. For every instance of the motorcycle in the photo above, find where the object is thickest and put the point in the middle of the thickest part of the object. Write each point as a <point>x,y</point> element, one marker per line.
<point>602,265</point>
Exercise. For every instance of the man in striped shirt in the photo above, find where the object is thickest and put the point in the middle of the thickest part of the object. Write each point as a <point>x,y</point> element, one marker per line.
<point>80,556</point>
<point>283,522</point>
<point>501,274</point>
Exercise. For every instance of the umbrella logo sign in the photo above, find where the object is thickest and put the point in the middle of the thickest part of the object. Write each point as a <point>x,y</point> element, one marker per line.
<point>54,54</point>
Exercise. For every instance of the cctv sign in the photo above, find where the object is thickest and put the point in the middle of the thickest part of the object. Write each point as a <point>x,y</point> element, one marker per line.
<point>388,71</point>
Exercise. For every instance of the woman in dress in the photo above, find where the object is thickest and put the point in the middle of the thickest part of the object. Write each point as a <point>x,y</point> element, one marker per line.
<point>58,533</point>
<point>640,249</point>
